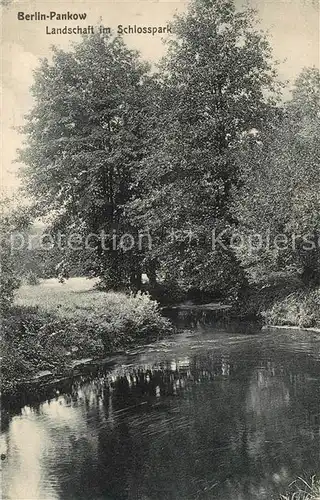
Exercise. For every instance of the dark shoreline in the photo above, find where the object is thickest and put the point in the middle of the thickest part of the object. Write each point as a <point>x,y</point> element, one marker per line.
<point>90,358</point>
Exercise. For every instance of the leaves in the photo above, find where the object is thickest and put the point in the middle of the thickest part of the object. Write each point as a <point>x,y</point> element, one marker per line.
<point>213,85</point>
<point>281,182</point>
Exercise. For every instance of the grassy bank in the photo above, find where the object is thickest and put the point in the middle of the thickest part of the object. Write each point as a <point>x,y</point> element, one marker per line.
<point>303,490</point>
<point>283,301</point>
<point>53,324</point>
<point>300,308</point>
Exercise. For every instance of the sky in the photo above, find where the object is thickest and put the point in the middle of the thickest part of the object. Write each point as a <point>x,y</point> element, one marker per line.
<point>293,27</point>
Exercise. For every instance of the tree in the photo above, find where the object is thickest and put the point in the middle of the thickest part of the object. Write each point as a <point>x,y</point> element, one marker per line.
<point>217,83</point>
<point>280,193</point>
<point>12,220</point>
<point>84,137</point>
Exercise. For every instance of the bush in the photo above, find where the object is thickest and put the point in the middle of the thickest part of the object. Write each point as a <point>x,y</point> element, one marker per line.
<point>8,280</point>
<point>125,318</point>
<point>31,278</point>
<point>11,220</point>
<point>167,293</point>
<point>72,325</point>
<point>301,308</point>
<point>33,341</point>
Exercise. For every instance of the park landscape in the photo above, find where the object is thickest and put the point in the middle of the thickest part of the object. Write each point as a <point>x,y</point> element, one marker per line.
<point>144,190</point>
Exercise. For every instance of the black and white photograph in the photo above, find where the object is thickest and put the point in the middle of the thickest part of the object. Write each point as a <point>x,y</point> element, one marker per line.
<point>160,250</point>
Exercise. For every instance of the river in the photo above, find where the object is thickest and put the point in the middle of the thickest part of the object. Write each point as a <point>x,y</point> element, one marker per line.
<point>209,413</point>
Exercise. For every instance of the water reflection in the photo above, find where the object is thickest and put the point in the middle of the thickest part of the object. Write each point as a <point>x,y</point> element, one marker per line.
<point>200,416</point>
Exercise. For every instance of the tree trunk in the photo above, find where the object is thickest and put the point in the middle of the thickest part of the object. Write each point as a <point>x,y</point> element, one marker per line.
<point>152,273</point>
<point>136,280</point>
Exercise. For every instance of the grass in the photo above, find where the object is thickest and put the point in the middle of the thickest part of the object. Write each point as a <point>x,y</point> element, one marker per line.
<point>52,324</point>
<point>300,308</point>
<point>77,299</point>
<point>303,490</point>
<point>283,301</point>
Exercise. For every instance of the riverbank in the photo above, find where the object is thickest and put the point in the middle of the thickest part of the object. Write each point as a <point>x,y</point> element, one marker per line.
<point>52,325</point>
<point>283,301</point>
<point>299,309</point>
<point>249,393</point>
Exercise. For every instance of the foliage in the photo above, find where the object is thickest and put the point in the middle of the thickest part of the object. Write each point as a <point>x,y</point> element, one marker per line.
<point>72,322</point>
<point>84,138</point>
<point>212,88</point>
<point>187,157</point>
<point>115,312</point>
<point>34,341</point>
<point>11,220</point>
<point>300,308</point>
<point>280,190</point>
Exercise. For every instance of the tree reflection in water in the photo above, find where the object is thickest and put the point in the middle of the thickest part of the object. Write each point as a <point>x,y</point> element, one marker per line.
<point>209,417</point>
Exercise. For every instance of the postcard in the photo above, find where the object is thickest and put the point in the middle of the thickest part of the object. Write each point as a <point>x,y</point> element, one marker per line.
<point>160,250</point>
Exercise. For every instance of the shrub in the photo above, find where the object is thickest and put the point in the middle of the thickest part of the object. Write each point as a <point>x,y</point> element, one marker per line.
<point>167,292</point>
<point>11,220</point>
<point>300,308</point>
<point>31,278</point>
<point>8,281</point>
<point>71,325</point>
<point>125,318</point>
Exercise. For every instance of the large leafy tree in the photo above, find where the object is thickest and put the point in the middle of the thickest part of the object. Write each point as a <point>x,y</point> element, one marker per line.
<point>84,137</point>
<point>217,83</point>
<point>280,198</point>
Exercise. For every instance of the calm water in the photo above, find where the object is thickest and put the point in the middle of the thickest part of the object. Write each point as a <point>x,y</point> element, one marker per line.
<point>206,414</point>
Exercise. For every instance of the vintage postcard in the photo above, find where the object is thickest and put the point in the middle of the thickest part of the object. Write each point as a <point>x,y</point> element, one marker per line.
<point>160,250</point>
